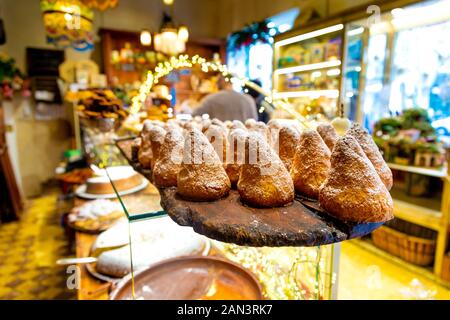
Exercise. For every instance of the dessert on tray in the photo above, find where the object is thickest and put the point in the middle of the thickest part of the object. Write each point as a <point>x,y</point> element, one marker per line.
<point>337,163</point>
<point>353,190</point>
<point>264,180</point>
<point>123,177</point>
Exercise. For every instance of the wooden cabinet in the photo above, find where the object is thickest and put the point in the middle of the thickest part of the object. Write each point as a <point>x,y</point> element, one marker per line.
<point>10,199</point>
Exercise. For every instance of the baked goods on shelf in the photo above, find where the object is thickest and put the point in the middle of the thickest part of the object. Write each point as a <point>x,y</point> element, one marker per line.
<point>264,180</point>
<point>96,104</point>
<point>287,143</point>
<point>353,190</point>
<point>168,163</point>
<point>328,134</point>
<point>311,164</point>
<point>235,154</point>
<point>123,177</point>
<point>217,136</point>
<point>263,177</point>
<point>202,176</point>
<point>95,216</point>
<point>156,135</point>
<point>373,153</point>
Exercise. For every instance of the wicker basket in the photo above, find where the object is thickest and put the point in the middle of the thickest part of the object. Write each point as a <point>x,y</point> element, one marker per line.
<point>446,267</point>
<point>416,250</point>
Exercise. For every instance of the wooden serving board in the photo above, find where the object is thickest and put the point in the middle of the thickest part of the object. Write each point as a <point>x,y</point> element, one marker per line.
<point>302,223</point>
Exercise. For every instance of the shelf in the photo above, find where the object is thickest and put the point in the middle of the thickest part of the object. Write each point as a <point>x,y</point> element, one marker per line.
<point>334,94</point>
<point>308,67</point>
<point>422,216</point>
<point>309,35</point>
<point>438,173</point>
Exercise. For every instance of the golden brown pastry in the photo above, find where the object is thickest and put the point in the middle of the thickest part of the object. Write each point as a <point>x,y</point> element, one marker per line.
<point>135,146</point>
<point>217,136</point>
<point>156,135</point>
<point>250,123</point>
<point>168,164</point>
<point>237,125</point>
<point>145,154</point>
<point>235,154</point>
<point>263,130</point>
<point>202,176</point>
<point>328,134</point>
<point>264,180</point>
<point>373,153</point>
<point>354,191</point>
<point>288,141</point>
<point>311,164</point>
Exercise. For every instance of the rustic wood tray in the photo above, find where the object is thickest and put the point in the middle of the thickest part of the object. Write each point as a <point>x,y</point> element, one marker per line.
<point>303,223</point>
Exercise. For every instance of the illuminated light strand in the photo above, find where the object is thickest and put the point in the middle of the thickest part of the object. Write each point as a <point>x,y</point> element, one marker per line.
<point>184,61</point>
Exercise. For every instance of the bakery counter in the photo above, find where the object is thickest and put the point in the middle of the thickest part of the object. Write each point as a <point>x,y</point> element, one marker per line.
<point>91,288</point>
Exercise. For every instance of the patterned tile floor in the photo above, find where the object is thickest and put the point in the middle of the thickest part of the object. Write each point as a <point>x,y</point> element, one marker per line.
<point>30,247</point>
<point>28,251</point>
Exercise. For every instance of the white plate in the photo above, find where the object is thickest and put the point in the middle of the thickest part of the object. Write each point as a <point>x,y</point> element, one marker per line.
<point>81,192</point>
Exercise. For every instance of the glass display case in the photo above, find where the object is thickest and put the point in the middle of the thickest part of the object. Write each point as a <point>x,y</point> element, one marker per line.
<point>303,273</point>
<point>307,70</point>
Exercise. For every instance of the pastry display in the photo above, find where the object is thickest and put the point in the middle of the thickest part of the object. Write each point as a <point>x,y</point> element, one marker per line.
<point>373,153</point>
<point>311,164</point>
<point>353,190</point>
<point>123,177</point>
<point>262,129</point>
<point>98,104</point>
<point>95,216</point>
<point>217,136</point>
<point>156,135</point>
<point>264,180</point>
<point>135,147</point>
<point>287,143</point>
<point>202,176</point>
<point>235,154</point>
<point>328,134</point>
<point>236,124</point>
<point>168,163</point>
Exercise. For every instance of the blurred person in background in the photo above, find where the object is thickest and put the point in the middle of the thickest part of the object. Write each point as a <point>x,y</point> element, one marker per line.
<point>261,104</point>
<point>227,104</point>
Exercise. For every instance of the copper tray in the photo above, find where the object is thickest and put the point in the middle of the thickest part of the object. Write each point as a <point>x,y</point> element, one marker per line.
<point>191,278</point>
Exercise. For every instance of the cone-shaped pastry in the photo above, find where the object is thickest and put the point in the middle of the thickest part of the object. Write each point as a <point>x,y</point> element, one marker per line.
<point>168,164</point>
<point>373,153</point>
<point>217,136</point>
<point>288,141</point>
<point>145,154</point>
<point>262,129</point>
<point>264,180</point>
<point>311,164</point>
<point>250,123</point>
<point>235,154</point>
<point>135,146</point>
<point>237,125</point>
<point>353,191</point>
<point>202,176</point>
<point>328,134</point>
<point>156,135</point>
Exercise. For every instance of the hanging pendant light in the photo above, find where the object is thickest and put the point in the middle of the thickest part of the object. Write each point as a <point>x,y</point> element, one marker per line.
<point>183,34</point>
<point>146,38</point>
<point>171,40</point>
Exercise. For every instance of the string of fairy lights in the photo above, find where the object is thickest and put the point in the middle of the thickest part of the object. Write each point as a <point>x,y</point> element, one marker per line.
<point>185,61</point>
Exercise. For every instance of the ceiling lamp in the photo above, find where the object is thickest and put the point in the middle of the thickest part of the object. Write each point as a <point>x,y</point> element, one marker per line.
<point>101,5</point>
<point>146,38</point>
<point>168,2</point>
<point>171,40</point>
<point>68,23</point>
